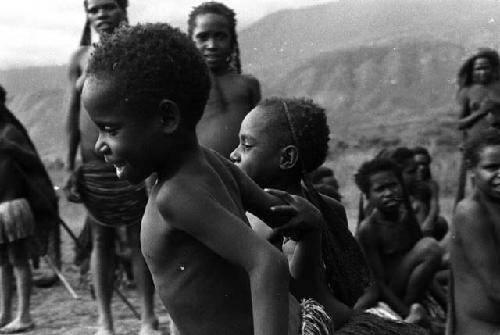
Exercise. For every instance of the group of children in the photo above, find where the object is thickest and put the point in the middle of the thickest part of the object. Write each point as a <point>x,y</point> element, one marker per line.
<point>235,234</point>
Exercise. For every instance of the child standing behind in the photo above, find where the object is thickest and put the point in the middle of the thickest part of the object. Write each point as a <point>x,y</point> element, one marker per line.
<point>212,27</point>
<point>475,242</point>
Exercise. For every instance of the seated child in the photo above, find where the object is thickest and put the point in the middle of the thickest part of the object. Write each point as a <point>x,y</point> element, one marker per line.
<point>212,27</point>
<point>281,141</point>
<point>425,198</point>
<point>146,88</point>
<point>402,263</point>
<point>474,246</point>
<point>28,215</point>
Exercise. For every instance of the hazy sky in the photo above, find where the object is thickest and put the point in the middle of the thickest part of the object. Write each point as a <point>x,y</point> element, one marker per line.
<point>35,32</point>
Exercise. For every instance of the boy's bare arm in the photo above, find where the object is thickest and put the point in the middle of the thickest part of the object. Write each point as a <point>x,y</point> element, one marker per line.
<point>368,240</point>
<point>478,242</point>
<point>195,211</point>
<point>256,200</point>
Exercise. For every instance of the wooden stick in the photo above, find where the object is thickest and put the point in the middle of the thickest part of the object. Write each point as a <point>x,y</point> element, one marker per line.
<point>59,274</point>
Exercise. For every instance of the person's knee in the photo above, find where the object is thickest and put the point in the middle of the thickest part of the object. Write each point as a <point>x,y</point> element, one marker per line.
<point>102,237</point>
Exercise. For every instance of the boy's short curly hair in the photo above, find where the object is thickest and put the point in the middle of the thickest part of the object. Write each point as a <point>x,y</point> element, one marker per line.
<point>310,126</point>
<point>481,140</point>
<point>154,60</point>
<point>371,167</point>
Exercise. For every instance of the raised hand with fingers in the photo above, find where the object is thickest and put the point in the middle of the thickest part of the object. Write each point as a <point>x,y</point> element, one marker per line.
<point>304,217</point>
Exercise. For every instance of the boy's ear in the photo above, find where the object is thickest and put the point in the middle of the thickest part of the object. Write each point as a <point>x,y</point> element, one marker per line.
<point>170,115</point>
<point>289,156</point>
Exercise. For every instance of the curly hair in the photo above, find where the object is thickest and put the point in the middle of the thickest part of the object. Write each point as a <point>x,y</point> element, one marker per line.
<point>376,165</point>
<point>465,73</point>
<point>307,121</point>
<point>474,146</point>
<point>156,61</point>
<point>213,7</point>
<point>86,37</point>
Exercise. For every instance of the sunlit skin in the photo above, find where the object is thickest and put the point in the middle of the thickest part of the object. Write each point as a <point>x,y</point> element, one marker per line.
<point>475,251</point>
<point>104,17</point>
<point>402,266</point>
<point>236,95</point>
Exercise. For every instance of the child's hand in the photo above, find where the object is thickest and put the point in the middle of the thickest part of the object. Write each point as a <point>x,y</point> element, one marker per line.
<point>304,217</point>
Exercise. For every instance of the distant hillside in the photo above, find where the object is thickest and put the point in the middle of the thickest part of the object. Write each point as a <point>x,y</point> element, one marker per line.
<point>276,42</point>
<point>37,96</point>
<point>367,87</point>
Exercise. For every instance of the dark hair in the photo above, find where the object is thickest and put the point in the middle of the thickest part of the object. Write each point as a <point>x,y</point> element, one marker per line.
<point>465,73</point>
<point>157,61</point>
<point>86,37</point>
<point>399,155</point>
<point>422,151</point>
<point>307,121</point>
<point>369,168</point>
<point>213,7</point>
<point>474,146</point>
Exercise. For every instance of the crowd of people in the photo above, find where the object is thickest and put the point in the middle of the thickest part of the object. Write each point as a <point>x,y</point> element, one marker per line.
<point>220,200</point>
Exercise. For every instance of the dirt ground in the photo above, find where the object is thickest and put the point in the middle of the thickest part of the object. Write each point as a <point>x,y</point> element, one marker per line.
<point>55,312</point>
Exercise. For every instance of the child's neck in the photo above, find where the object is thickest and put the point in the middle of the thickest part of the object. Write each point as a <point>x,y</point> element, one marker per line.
<point>390,215</point>
<point>220,71</point>
<point>190,151</point>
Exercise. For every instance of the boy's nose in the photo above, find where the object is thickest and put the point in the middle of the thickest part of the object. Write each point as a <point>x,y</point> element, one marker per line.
<point>235,156</point>
<point>101,147</point>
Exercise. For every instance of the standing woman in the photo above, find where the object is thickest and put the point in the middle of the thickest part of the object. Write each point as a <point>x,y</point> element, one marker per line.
<point>114,207</point>
<point>478,98</point>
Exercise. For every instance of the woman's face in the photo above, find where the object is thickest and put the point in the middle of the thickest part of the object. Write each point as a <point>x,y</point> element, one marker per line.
<point>482,71</point>
<point>104,15</point>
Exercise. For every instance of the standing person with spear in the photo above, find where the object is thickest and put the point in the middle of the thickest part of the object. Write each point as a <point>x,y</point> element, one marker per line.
<point>114,207</point>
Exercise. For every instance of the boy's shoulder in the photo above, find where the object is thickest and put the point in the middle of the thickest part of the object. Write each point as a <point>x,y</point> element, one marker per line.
<point>467,208</point>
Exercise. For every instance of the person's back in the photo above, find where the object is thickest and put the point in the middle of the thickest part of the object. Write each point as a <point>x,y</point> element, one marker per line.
<point>189,270</point>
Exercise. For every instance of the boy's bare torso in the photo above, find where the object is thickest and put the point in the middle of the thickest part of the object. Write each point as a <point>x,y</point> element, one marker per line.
<point>476,312</point>
<point>203,292</point>
<point>219,126</point>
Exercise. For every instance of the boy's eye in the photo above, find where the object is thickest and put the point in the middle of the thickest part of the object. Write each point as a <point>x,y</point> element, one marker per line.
<point>109,130</point>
